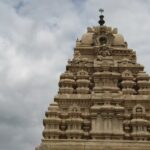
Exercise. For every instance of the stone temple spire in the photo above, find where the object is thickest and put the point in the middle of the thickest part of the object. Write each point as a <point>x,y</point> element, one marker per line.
<point>103,101</point>
<point>101,17</point>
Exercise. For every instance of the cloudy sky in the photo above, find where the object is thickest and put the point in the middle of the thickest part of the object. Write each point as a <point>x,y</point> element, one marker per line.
<point>36,39</point>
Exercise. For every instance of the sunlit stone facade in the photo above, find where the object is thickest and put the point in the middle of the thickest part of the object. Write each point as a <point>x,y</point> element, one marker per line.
<point>103,102</point>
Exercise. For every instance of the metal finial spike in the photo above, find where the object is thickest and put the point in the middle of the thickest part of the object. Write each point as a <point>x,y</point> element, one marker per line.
<point>101,21</point>
<point>101,10</point>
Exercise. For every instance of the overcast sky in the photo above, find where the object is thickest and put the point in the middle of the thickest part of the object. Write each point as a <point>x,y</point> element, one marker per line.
<point>36,40</point>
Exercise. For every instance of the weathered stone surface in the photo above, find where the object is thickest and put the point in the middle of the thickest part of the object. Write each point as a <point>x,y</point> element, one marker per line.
<point>103,102</point>
<point>95,145</point>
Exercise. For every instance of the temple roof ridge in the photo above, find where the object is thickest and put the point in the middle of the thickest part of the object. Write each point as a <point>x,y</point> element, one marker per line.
<point>100,35</point>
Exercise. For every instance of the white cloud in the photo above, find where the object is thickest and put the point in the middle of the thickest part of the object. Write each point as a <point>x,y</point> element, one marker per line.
<point>36,39</point>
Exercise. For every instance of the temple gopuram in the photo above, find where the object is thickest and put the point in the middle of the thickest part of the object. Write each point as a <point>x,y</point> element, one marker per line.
<point>103,102</point>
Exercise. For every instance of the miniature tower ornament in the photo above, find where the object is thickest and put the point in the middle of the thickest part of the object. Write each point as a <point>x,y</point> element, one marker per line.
<point>103,101</point>
<point>101,17</point>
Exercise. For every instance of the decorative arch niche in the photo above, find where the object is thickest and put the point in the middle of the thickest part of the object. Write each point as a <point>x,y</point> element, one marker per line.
<point>138,109</point>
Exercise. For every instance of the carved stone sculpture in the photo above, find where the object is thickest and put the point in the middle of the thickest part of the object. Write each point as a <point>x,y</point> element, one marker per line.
<point>103,102</point>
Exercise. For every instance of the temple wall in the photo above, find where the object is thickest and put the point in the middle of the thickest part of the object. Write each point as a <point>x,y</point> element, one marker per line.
<point>95,145</point>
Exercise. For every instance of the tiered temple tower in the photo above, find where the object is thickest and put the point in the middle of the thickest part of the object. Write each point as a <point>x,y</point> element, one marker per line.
<point>103,102</point>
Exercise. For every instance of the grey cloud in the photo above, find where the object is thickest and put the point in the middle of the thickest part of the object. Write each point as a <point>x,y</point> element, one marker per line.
<point>36,39</point>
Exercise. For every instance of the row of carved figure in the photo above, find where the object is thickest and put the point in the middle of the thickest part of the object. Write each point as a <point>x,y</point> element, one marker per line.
<point>104,81</point>
<point>107,124</point>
